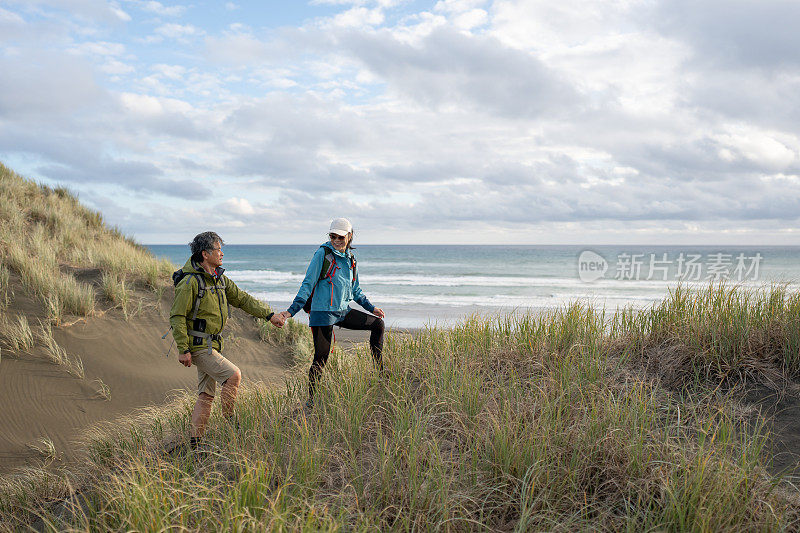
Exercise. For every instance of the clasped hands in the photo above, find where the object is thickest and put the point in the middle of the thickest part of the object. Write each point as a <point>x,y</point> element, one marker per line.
<point>279,319</point>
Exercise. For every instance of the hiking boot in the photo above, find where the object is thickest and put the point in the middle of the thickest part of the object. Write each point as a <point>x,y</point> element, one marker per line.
<point>183,447</point>
<point>178,448</point>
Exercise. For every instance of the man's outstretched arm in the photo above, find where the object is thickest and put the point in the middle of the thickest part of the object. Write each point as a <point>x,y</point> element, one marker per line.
<point>239,298</point>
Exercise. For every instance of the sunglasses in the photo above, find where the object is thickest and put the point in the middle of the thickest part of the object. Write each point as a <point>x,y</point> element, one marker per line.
<point>335,237</point>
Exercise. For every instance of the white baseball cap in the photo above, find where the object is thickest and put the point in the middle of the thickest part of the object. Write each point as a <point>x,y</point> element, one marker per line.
<point>340,226</point>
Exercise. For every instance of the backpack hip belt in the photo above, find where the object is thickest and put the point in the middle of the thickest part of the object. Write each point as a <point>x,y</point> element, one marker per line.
<point>208,337</point>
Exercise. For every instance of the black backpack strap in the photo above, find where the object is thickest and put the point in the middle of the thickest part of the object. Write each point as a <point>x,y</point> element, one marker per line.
<point>201,290</point>
<point>177,276</point>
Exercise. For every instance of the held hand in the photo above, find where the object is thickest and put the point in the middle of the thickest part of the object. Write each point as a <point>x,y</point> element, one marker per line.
<point>185,359</point>
<point>378,312</point>
<point>277,320</point>
<point>286,315</point>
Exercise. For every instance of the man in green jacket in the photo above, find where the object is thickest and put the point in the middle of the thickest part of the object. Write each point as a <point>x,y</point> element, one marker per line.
<point>197,324</point>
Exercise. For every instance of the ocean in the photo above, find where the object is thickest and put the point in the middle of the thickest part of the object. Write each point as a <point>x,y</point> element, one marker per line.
<point>437,285</point>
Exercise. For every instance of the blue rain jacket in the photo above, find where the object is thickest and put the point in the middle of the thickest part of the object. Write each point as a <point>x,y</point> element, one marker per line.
<point>331,299</point>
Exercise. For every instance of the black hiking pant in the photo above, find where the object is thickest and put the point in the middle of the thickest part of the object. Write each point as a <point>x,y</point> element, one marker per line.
<point>323,335</point>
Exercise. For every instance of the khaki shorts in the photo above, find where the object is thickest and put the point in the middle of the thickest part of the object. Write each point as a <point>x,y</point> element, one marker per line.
<point>211,368</point>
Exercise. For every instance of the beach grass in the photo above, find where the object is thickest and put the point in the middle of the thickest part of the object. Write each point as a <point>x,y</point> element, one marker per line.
<point>716,334</point>
<point>114,288</point>
<point>16,333</point>
<point>46,236</point>
<point>58,355</point>
<point>103,390</point>
<point>49,239</point>
<point>116,291</point>
<point>518,422</point>
<point>293,334</point>
<point>45,448</point>
<point>4,279</point>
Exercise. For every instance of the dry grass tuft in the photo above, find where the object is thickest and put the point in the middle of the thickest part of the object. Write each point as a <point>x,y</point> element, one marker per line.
<point>56,354</point>
<point>292,334</point>
<point>103,390</point>
<point>4,279</point>
<point>16,334</point>
<point>114,289</point>
<point>46,448</point>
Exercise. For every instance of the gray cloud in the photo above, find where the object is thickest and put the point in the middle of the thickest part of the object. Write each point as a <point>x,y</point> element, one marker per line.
<point>138,176</point>
<point>297,120</point>
<point>44,84</point>
<point>171,124</point>
<point>449,68</point>
<point>298,168</point>
<point>79,159</point>
<point>745,62</point>
<point>760,35</point>
<point>765,98</point>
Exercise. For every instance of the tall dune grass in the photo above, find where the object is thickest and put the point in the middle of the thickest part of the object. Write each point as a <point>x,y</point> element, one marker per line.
<point>4,279</point>
<point>293,335</point>
<point>716,334</point>
<point>519,423</point>
<point>45,231</point>
<point>15,332</point>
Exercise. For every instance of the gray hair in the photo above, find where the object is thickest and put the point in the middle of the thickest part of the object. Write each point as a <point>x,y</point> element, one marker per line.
<point>204,242</point>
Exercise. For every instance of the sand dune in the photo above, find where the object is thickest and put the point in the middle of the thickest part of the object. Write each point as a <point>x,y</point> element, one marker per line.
<point>42,400</point>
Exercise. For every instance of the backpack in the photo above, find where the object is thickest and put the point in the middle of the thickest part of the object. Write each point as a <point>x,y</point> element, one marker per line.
<point>198,324</point>
<point>329,268</point>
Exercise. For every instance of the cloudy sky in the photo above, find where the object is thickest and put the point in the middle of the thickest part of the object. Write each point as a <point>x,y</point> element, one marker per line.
<point>457,121</point>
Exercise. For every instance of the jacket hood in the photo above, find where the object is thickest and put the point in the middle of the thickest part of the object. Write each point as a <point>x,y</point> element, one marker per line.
<point>193,267</point>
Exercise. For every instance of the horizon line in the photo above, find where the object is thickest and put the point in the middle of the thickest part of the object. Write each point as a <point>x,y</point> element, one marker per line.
<point>499,244</point>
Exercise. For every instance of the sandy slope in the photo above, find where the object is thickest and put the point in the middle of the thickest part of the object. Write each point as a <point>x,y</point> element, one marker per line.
<point>39,399</point>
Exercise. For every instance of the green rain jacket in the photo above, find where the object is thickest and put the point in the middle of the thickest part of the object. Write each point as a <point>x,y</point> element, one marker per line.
<point>212,311</point>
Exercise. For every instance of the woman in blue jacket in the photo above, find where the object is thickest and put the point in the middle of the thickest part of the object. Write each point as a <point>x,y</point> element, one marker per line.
<point>331,282</point>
